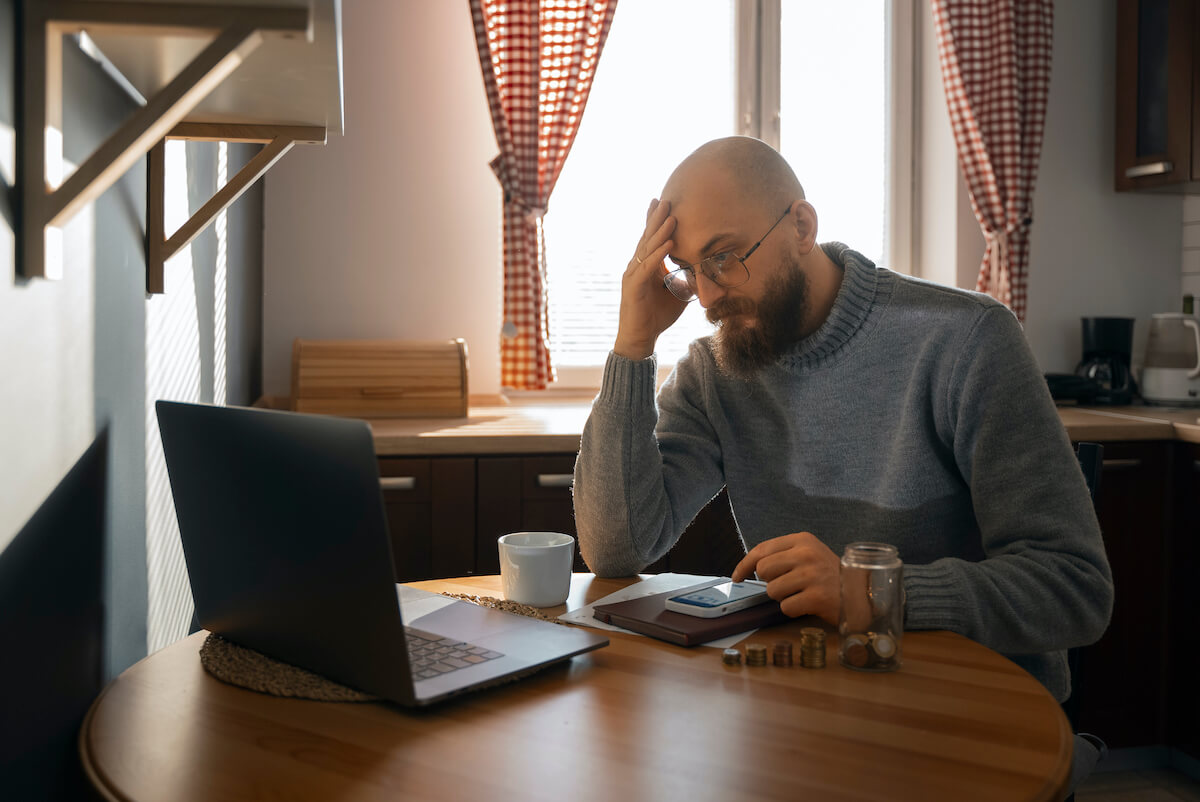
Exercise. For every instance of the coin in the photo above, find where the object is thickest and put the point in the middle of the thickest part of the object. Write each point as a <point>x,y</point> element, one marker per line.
<point>855,652</point>
<point>731,657</point>
<point>756,654</point>
<point>782,655</point>
<point>813,633</point>
<point>884,646</point>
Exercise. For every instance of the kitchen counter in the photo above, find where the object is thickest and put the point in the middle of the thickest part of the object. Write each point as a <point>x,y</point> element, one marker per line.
<point>1132,423</point>
<point>521,427</point>
<point>554,426</point>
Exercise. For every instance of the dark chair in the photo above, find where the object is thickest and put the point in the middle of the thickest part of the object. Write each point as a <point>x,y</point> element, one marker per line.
<point>1091,461</point>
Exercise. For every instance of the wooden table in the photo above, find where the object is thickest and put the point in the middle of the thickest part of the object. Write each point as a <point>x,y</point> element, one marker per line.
<point>637,720</point>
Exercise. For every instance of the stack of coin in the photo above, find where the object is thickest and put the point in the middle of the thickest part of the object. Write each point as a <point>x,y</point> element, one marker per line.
<point>812,647</point>
<point>756,654</point>
<point>731,657</point>
<point>782,655</point>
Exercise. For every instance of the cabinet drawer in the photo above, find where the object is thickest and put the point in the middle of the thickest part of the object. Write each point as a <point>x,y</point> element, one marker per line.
<point>518,494</point>
<point>430,507</point>
<point>547,477</point>
<point>404,479</point>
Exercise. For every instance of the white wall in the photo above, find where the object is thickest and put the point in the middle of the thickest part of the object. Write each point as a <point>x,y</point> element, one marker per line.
<point>1094,251</point>
<point>393,230</point>
<point>411,175</point>
<point>1190,256</point>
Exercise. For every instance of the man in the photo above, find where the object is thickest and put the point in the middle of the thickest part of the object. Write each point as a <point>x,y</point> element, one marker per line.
<point>837,402</point>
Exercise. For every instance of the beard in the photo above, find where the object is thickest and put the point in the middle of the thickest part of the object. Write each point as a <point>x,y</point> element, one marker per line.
<point>753,334</point>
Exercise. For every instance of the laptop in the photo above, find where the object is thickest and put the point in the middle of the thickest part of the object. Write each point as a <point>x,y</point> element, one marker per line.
<point>286,542</point>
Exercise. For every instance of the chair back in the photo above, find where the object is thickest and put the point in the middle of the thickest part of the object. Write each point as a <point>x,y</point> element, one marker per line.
<point>1091,461</point>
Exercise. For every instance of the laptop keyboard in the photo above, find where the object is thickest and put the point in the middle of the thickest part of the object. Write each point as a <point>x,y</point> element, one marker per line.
<point>431,655</point>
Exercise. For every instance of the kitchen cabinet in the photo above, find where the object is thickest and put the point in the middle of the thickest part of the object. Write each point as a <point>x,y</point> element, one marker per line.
<point>430,507</point>
<point>523,494</point>
<point>1183,650</point>
<point>533,493</point>
<point>1121,682</point>
<point>1157,96</point>
<point>445,513</point>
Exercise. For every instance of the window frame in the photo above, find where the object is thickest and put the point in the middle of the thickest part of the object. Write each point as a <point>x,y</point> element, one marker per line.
<point>757,113</point>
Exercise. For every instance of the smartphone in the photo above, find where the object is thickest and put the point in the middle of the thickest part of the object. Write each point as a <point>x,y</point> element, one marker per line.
<point>719,600</point>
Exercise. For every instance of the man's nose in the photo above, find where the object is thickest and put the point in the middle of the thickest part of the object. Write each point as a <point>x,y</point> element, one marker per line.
<point>708,292</point>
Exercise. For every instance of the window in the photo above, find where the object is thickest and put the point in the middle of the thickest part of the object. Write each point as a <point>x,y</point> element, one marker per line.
<point>820,81</point>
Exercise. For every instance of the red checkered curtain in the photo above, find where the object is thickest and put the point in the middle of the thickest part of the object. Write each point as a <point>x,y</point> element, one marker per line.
<point>538,59</point>
<point>995,59</point>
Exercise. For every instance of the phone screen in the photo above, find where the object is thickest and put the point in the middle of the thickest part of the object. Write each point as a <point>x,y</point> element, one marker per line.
<point>721,594</point>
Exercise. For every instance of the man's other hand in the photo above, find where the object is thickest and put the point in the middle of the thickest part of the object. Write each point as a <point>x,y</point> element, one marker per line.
<point>801,573</point>
<point>647,307</point>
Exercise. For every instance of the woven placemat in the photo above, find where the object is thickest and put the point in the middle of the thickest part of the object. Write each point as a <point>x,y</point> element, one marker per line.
<point>254,671</point>
<point>507,606</point>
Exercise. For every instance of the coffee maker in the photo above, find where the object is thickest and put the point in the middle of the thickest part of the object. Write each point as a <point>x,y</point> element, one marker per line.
<point>1107,344</point>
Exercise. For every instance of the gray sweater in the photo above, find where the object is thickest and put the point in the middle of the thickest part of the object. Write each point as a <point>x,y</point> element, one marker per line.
<point>916,415</point>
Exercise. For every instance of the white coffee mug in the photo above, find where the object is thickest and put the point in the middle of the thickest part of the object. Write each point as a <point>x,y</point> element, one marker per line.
<point>535,567</point>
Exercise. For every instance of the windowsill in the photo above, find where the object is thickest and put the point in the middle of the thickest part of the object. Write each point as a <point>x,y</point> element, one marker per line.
<point>575,383</point>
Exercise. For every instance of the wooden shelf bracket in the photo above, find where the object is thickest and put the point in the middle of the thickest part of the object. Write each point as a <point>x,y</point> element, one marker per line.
<point>276,140</point>
<point>46,201</point>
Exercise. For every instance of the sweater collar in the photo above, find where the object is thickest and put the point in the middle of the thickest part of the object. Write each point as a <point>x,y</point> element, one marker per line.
<point>864,288</point>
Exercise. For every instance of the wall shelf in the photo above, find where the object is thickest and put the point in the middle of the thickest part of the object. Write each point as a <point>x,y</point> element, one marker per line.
<point>264,71</point>
<point>277,140</point>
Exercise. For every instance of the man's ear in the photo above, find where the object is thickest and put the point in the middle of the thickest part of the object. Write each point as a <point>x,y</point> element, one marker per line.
<point>803,217</point>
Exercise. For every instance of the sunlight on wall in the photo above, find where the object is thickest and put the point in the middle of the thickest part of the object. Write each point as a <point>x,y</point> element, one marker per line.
<point>8,154</point>
<point>57,170</point>
<point>172,372</point>
<point>48,327</point>
<point>221,226</point>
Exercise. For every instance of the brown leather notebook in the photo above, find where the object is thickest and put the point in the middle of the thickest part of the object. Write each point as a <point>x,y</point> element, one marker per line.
<point>649,616</point>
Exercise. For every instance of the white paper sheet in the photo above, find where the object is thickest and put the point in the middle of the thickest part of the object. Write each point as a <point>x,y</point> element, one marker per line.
<point>415,604</point>
<point>659,583</point>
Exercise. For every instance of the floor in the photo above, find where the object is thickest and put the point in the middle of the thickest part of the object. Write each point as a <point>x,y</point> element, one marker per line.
<point>1147,785</point>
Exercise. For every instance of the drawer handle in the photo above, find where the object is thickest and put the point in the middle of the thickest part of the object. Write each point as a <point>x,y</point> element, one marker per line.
<point>555,479</point>
<point>1155,168</point>
<point>1121,464</point>
<point>397,482</point>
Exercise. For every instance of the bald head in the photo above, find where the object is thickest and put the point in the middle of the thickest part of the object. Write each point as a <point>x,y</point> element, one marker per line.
<point>749,170</point>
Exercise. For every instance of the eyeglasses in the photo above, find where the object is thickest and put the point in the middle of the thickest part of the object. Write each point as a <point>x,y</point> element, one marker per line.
<point>723,269</point>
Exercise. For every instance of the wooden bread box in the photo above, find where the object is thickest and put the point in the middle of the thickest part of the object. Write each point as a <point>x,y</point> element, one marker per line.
<point>380,378</point>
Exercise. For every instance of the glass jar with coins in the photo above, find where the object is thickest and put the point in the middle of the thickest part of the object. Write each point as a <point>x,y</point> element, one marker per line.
<point>871,622</point>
